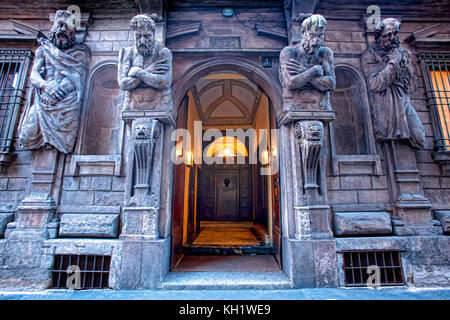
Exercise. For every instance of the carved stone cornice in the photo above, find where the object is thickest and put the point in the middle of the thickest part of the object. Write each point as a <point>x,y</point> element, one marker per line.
<point>290,116</point>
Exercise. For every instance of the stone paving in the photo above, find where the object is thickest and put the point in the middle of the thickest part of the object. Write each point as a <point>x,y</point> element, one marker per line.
<point>294,294</point>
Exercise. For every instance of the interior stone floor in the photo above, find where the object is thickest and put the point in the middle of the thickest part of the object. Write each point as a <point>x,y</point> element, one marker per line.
<point>228,235</point>
<point>227,263</point>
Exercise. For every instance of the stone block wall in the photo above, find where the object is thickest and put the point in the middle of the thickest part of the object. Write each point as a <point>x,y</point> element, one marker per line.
<point>351,187</point>
<point>348,39</point>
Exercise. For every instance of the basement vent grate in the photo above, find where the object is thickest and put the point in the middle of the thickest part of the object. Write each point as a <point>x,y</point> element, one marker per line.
<point>81,272</point>
<point>372,268</point>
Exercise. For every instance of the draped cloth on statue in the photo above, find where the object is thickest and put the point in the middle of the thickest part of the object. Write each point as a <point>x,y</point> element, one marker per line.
<point>394,116</point>
<point>56,122</point>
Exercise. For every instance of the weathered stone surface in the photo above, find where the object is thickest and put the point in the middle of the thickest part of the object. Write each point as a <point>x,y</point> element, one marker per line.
<point>145,134</point>
<point>362,223</point>
<point>5,218</point>
<point>389,76</point>
<point>58,81</point>
<point>444,218</point>
<point>3,183</point>
<point>101,183</point>
<point>89,225</point>
<point>145,69</point>
<point>306,69</point>
<point>325,261</point>
<point>141,222</point>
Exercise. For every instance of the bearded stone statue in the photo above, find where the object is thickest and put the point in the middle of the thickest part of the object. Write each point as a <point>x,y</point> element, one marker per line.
<point>306,69</point>
<point>145,69</point>
<point>389,76</point>
<point>57,85</point>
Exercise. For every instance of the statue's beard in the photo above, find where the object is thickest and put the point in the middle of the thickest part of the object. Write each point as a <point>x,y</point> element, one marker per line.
<point>309,48</point>
<point>389,45</point>
<point>146,49</point>
<point>63,40</point>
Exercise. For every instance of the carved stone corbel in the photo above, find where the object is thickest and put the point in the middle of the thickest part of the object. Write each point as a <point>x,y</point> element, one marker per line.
<point>310,136</point>
<point>145,133</point>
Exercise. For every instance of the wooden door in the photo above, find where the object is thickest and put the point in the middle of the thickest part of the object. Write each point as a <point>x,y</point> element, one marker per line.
<point>178,196</point>
<point>192,206</point>
<point>227,195</point>
<point>276,218</point>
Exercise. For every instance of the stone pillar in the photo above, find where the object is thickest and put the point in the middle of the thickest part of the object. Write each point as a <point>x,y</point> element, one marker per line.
<point>145,256</point>
<point>411,209</point>
<point>312,213</point>
<point>145,74</point>
<point>309,251</point>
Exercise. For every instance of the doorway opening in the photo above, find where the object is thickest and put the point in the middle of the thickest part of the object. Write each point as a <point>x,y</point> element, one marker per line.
<point>226,211</point>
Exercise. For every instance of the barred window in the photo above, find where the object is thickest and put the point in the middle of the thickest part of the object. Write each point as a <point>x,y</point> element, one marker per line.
<point>436,73</point>
<point>13,69</point>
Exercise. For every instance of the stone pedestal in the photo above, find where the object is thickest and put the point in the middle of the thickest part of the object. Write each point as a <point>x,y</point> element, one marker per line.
<point>312,214</point>
<point>411,209</point>
<point>145,256</point>
<point>312,263</point>
<point>36,215</point>
<point>144,263</point>
<point>36,221</point>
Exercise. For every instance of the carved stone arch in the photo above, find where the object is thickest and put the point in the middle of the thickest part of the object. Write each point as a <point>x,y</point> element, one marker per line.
<point>252,71</point>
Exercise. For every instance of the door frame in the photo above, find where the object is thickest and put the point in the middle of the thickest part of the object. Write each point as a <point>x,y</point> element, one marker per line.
<point>254,72</point>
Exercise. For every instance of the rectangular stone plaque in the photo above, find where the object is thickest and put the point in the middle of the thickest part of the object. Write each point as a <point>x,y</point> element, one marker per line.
<point>89,225</point>
<point>225,42</point>
<point>362,223</point>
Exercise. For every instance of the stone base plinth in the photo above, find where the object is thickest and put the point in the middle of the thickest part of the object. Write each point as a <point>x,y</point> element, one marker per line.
<point>313,222</point>
<point>36,217</point>
<point>144,263</point>
<point>310,263</point>
<point>412,216</point>
<point>140,223</point>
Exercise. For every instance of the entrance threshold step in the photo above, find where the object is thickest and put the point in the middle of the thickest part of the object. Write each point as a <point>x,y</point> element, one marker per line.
<point>228,250</point>
<point>226,280</point>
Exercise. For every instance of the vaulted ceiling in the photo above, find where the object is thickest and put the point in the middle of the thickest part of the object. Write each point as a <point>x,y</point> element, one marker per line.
<point>226,98</point>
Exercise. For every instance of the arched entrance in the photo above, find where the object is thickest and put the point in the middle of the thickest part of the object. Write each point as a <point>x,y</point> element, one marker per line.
<point>226,210</point>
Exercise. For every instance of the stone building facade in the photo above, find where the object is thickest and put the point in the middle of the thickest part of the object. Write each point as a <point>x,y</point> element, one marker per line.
<point>338,193</point>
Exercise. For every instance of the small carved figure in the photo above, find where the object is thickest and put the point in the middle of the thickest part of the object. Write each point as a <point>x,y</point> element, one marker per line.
<point>145,69</point>
<point>389,76</point>
<point>306,69</point>
<point>57,85</point>
<point>310,135</point>
<point>145,133</point>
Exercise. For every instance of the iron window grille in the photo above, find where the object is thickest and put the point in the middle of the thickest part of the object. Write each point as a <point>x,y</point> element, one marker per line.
<point>356,267</point>
<point>14,65</point>
<point>92,270</point>
<point>436,72</point>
